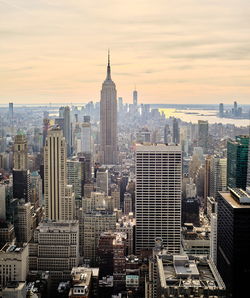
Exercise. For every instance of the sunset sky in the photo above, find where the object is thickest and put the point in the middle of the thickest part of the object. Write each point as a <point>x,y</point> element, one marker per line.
<point>182,51</point>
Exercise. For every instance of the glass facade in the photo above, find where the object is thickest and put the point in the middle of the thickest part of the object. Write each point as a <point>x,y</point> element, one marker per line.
<point>237,157</point>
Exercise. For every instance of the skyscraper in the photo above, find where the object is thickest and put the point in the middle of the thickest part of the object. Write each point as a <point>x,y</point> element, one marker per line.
<point>167,134</point>
<point>176,131</point>
<point>248,168</point>
<point>108,120</point>
<point>218,175</point>
<point>237,156</point>
<point>64,112</point>
<point>158,196</point>
<point>11,111</point>
<point>135,99</point>
<point>233,241</point>
<point>21,174</point>
<point>86,137</point>
<point>58,196</point>
<point>221,110</point>
<point>45,129</point>
<point>203,134</point>
<point>20,154</point>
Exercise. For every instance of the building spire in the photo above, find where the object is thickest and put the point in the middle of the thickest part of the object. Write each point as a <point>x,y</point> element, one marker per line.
<point>108,67</point>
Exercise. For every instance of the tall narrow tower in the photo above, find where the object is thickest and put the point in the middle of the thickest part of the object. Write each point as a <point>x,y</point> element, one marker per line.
<point>59,198</point>
<point>135,98</point>
<point>21,175</point>
<point>20,153</point>
<point>108,120</point>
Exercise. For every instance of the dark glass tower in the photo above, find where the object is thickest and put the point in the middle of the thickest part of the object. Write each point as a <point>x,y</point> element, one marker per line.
<point>233,241</point>
<point>237,158</point>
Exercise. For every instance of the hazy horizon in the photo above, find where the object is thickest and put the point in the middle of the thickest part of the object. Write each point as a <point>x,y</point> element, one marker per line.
<point>187,52</point>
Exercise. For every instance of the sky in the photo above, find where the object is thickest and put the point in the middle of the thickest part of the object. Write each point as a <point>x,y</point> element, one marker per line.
<point>182,51</point>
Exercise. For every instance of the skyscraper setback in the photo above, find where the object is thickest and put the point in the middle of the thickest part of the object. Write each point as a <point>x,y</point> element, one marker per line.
<point>108,120</point>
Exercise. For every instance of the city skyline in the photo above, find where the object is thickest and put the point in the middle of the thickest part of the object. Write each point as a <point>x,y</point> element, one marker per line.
<point>55,52</point>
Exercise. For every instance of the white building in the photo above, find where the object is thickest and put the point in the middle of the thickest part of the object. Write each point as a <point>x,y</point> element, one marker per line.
<point>13,263</point>
<point>218,175</point>
<point>102,177</point>
<point>58,196</point>
<point>75,175</point>
<point>86,137</point>
<point>158,196</point>
<point>95,223</point>
<point>55,248</point>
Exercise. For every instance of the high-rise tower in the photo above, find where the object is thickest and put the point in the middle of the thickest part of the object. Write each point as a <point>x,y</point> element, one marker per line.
<point>21,175</point>
<point>237,156</point>
<point>158,196</point>
<point>176,131</point>
<point>203,134</point>
<point>108,120</point>
<point>59,198</point>
<point>20,153</point>
<point>135,98</point>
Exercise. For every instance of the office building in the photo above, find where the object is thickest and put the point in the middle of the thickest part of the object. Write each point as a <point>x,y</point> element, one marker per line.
<point>183,276</point>
<point>95,223</point>
<point>21,174</point>
<point>233,241</point>
<point>75,176</point>
<point>108,120</point>
<point>221,110</point>
<point>176,131</point>
<point>64,112</point>
<point>213,237</point>
<point>3,194</point>
<point>58,196</point>
<point>23,221</point>
<point>248,168</point>
<point>20,153</point>
<point>115,195</point>
<point>158,196</point>
<point>102,176</point>
<point>46,124</point>
<point>203,134</point>
<point>127,203</point>
<point>11,111</point>
<point>218,175</point>
<point>55,248</point>
<point>237,157</point>
<point>207,180</point>
<point>86,137</point>
<point>13,263</point>
<point>167,134</point>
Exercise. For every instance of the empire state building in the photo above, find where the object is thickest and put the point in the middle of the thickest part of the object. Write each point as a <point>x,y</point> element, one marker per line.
<point>108,120</point>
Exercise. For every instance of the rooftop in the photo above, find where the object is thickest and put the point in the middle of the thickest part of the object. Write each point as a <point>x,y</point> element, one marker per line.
<point>188,274</point>
<point>240,202</point>
<point>157,147</point>
<point>58,226</point>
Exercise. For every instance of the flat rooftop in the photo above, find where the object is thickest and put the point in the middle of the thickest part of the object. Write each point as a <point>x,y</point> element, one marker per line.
<point>181,271</point>
<point>157,147</point>
<point>233,201</point>
<point>11,248</point>
<point>58,226</point>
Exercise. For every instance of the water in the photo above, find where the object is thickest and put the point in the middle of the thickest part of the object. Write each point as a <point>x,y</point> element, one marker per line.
<point>209,115</point>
